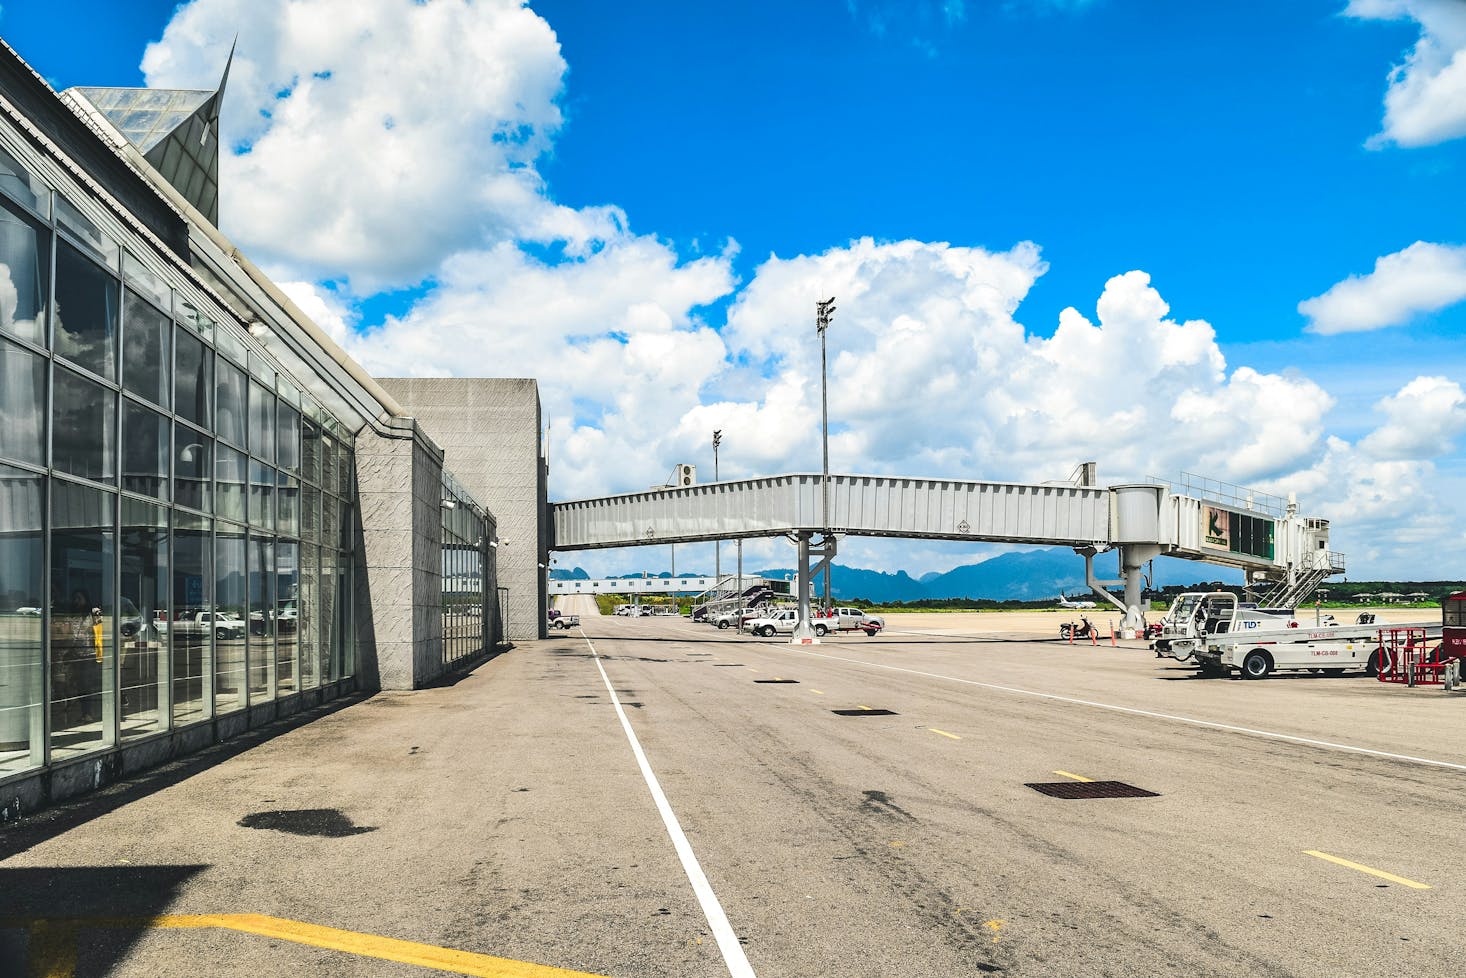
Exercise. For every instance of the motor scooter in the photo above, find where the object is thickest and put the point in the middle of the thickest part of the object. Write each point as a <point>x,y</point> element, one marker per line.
<point>1070,630</point>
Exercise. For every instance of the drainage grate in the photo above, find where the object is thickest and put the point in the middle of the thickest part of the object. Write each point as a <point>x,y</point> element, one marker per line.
<point>1091,789</point>
<point>776,680</point>
<point>864,713</point>
<point>728,665</point>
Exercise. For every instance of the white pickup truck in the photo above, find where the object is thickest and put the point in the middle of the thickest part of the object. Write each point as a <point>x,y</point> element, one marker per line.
<point>843,620</point>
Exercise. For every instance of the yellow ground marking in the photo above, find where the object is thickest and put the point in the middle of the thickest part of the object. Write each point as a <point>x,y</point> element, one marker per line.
<point>1076,777</point>
<point>896,844</point>
<point>944,733</point>
<point>818,692</point>
<point>53,944</point>
<point>996,926</point>
<point>861,706</point>
<point>1367,869</point>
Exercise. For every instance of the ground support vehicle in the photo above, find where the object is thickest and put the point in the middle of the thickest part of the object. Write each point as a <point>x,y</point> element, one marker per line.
<point>778,623</point>
<point>565,621</point>
<point>734,618</point>
<point>221,623</point>
<point>847,620</point>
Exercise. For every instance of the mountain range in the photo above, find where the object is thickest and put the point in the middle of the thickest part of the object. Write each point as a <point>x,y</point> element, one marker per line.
<point>1029,575</point>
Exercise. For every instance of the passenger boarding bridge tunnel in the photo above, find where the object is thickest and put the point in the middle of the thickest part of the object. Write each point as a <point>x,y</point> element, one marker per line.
<point>1142,521</point>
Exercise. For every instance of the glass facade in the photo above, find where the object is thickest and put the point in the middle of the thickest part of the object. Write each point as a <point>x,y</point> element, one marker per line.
<point>465,615</point>
<point>176,516</point>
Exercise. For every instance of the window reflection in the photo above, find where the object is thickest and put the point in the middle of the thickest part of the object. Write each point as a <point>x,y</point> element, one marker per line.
<point>22,404</point>
<point>84,421</point>
<point>145,348</point>
<point>228,625</point>
<point>262,615</point>
<point>287,616</point>
<point>308,629</point>
<point>233,389</point>
<point>82,617</point>
<point>144,585</point>
<point>261,422</point>
<point>144,451</point>
<point>86,312</point>
<point>231,469</point>
<point>192,467</point>
<point>21,606</point>
<point>24,266</point>
<point>193,379</point>
<point>190,637</point>
<point>261,495</point>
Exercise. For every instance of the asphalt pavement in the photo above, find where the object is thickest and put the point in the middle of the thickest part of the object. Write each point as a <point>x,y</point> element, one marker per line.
<point>860,807</point>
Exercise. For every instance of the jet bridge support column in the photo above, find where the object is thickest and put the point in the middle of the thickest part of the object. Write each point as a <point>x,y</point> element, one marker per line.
<point>803,632</point>
<point>1133,558</point>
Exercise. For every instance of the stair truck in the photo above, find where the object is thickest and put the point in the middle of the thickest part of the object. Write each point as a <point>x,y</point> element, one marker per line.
<point>1223,635</point>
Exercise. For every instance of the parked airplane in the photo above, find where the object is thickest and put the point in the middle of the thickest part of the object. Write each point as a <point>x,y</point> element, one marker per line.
<point>1065,602</point>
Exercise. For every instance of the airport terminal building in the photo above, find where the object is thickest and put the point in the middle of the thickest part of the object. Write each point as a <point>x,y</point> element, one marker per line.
<point>210,516</point>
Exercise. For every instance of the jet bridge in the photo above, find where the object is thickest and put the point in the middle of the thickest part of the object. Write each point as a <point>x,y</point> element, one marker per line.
<point>1259,534</point>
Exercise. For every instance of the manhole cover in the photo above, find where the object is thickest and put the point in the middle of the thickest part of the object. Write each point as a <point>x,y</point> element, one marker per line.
<point>766,681</point>
<point>1091,789</point>
<point>864,713</point>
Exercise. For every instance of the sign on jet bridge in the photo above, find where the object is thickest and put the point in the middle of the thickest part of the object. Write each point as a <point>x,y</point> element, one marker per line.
<point>1216,529</point>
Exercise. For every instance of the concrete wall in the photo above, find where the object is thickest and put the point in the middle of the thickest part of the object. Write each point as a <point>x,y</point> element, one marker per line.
<point>489,430</point>
<point>399,566</point>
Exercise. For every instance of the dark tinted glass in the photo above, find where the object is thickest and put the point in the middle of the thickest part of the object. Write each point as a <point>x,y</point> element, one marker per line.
<point>193,379</point>
<point>144,450</point>
<point>83,421</point>
<point>288,437</point>
<point>86,312</point>
<point>145,341</point>
<point>261,422</point>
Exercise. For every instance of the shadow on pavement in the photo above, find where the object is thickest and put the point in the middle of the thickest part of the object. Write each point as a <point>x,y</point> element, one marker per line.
<point>48,915</point>
<point>48,823</point>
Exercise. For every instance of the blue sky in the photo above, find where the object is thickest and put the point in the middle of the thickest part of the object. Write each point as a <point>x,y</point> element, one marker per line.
<point>637,203</point>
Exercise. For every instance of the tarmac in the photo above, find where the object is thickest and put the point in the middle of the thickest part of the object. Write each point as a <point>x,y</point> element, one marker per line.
<point>650,797</point>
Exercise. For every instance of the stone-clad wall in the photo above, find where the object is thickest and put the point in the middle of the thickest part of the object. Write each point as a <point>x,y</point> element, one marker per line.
<point>489,430</point>
<point>399,587</point>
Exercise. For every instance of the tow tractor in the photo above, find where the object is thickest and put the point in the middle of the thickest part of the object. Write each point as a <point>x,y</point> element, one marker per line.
<point>1223,634</point>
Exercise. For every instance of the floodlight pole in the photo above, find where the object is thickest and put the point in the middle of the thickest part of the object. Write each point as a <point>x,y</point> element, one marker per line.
<point>717,544</point>
<point>823,312</point>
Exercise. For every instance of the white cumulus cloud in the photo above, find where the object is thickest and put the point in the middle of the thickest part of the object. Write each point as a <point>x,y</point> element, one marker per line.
<point>1426,99</point>
<point>1422,278</point>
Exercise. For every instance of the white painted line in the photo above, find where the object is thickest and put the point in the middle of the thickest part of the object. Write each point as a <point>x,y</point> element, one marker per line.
<point>733,956</point>
<point>1210,724</point>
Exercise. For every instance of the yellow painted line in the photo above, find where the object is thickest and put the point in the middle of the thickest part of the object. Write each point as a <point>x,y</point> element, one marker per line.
<point>311,935</point>
<point>1367,869</point>
<point>944,733</point>
<point>1076,777</point>
<point>861,706</point>
<point>817,692</point>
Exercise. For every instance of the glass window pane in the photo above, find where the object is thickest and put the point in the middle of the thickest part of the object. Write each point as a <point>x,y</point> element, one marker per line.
<point>308,629</point>
<point>193,379</point>
<point>22,588</point>
<point>146,365</point>
<point>261,495</point>
<point>86,313</point>
<point>83,537</point>
<point>18,182</point>
<point>229,343</point>
<point>148,283</point>
<point>328,463</point>
<point>261,422</point>
<point>262,612</point>
<point>193,465</point>
<point>287,588</point>
<point>231,469</point>
<point>145,586</point>
<point>22,404</point>
<point>191,639</point>
<point>144,451</point>
<point>233,389</point>
<point>288,437</point>
<point>287,506</point>
<point>310,453</point>
<point>24,269</point>
<point>82,436</point>
<point>310,514</point>
<point>87,232</point>
<point>228,621</point>
<point>330,627</point>
<point>194,318</point>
